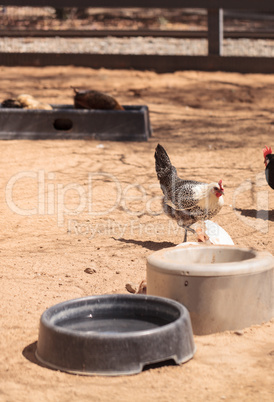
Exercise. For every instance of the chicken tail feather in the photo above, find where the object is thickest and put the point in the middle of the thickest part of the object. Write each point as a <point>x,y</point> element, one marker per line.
<point>163,165</point>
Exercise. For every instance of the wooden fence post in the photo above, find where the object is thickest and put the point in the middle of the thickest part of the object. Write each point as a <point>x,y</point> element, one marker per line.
<point>215,31</point>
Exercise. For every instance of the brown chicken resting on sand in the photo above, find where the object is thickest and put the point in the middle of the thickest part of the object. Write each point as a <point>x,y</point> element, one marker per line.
<point>186,201</point>
<point>95,100</point>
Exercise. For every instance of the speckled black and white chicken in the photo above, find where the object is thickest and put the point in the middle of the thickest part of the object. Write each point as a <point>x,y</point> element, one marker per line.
<point>186,201</point>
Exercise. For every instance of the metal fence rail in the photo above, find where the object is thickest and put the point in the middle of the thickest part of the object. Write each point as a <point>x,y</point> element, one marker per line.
<point>164,63</point>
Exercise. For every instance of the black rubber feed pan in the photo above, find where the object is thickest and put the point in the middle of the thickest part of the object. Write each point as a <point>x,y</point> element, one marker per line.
<point>114,334</point>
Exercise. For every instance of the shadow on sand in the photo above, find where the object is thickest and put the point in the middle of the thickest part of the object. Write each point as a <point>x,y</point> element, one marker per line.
<point>258,214</point>
<point>150,245</point>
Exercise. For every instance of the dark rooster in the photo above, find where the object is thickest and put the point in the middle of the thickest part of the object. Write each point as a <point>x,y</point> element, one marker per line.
<point>186,201</point>
<point>269,166</point>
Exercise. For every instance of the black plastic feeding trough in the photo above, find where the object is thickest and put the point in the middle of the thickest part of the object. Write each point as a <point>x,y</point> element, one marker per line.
<point>114,334</point>
<point>66,122</point>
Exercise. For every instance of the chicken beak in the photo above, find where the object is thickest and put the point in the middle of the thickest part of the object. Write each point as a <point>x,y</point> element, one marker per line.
<point>220,193</point>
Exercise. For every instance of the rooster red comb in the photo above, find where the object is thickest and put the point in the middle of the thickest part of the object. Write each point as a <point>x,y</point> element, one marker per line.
<point>220,185</point>
<point>267,151</point>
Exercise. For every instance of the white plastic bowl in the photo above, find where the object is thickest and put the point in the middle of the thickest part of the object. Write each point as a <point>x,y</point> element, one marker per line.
<point>223,287</point>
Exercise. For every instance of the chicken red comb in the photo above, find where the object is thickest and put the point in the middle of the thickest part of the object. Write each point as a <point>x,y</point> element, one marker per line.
<point>220,185</point>
<point>267,151</point>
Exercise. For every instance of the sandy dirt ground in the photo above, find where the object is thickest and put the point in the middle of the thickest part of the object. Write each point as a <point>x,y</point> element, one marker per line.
<point>214,126</point>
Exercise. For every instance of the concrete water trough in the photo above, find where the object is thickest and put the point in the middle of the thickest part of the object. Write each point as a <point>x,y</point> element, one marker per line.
<point>66,122</point>
<point>223,287</point>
